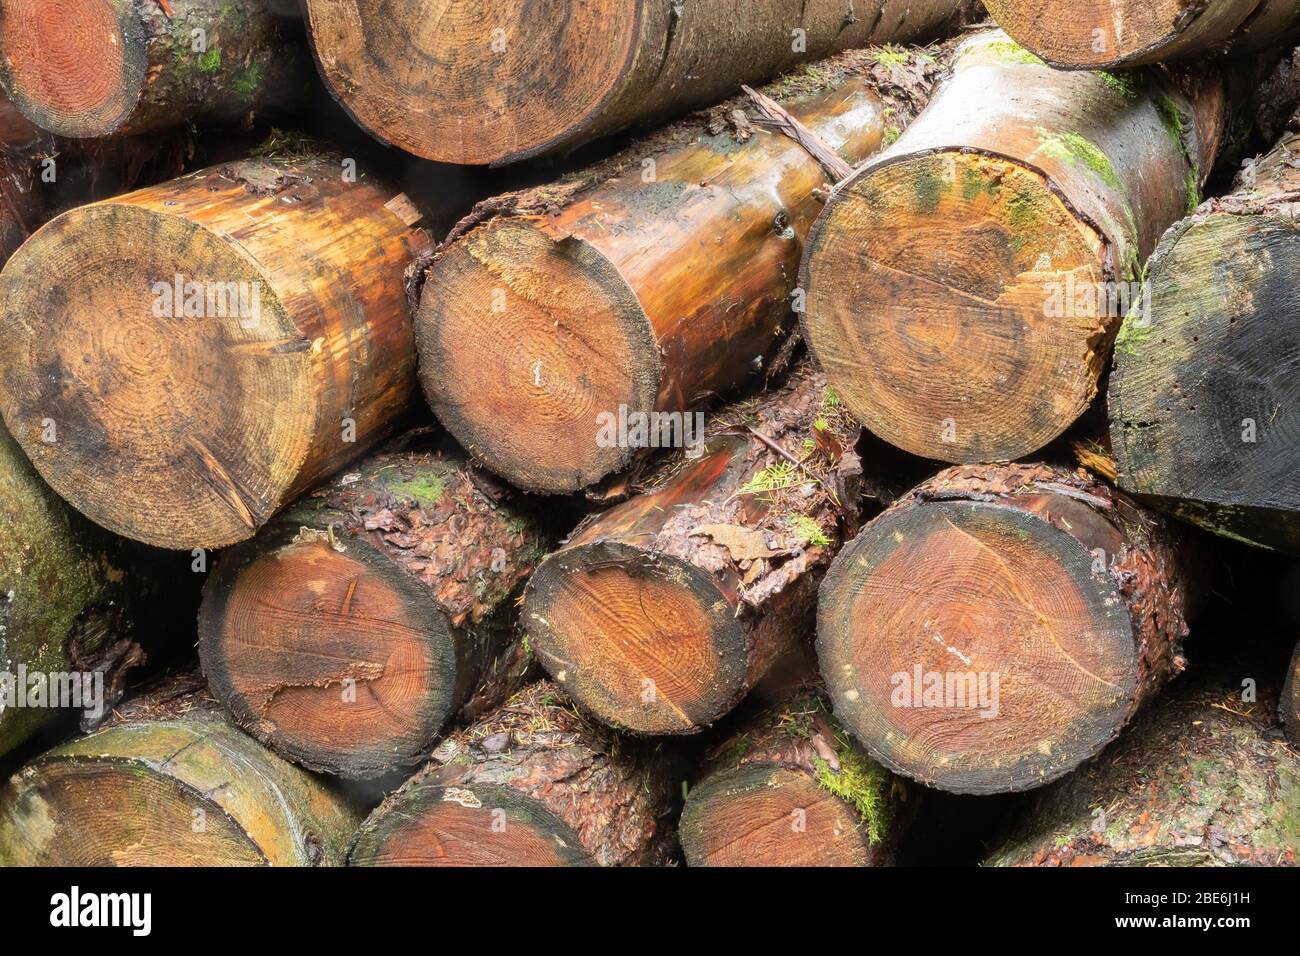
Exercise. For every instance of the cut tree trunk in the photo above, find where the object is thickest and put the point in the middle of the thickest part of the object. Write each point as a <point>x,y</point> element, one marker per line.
<point>88,68</point>
<point>1205,396</point>
<point>170,783</point>
<point>649,282</point>
<point>1000,624</point>
<point>348,632</point>
<point>1290,705</point>
<point>792,788</point>
<point>964,287</point>
<point>64,597</point>
<point>484,82</point>
<point>533,784</point>
<point>187,359</point>
<point>1201,780</point>
<point>1098,34</point>
<point>659,614</point>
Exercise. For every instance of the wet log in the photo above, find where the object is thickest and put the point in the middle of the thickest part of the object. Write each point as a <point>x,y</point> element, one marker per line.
<point>533,784</point>
<point>482,83</point>
<point>963,288</point>
<point>1100,34</point>
<point>1205,396</point>
<point>170,783</point>
<point>792,788</point>
<point>650,282</point>
<point>1289,707</point>
<point>659,614</point>
<point>353,627</point>
<point>189,358</point>
<point>1203,779</point>
<point>999,625</point>
<point>90,68</point>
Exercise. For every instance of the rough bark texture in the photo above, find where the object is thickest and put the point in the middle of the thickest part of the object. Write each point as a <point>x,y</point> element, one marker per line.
<point>1202,780</point>
<point>1097,34</point>
<point>1205,396</point>
<point>348,632</point>
<point>87,68</point>
<point>1289,707</point>
<point>480,82</point>
<point>1045,608</point>
<point>170,783</point>
<point>187,420</point>
<point>653,281</point>
<point>533,784</point>
<point>659,614</point>
<point>64,595</point>
<point>792,788</point>
<point>960,285</point>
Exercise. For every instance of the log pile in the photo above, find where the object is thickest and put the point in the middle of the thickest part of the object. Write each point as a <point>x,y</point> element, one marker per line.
<point>766,483</point>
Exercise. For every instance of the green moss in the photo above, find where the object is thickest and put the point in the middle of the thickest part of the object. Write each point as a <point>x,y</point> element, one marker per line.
<point>1013,52</point>
<point>1078,151</point>
<point>1193,192</point>
<point>248,80</point>
<point>809,531</point>
<point>973,183</point>
<point>1022,212</point>
<point>890,55</point>
<point>1125,84</point>
<point>891,135</point>
<point>863,784</point>
<point>210,62</point>
<point>425,489</point>
<point>928,188</point>
<point>1132,335</point>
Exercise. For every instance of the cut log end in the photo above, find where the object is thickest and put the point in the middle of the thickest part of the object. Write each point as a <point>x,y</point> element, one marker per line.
<point>361,664</point>
<point>670,656</point>
<point>75,68</point>
<point>974,648</point>
<point>526,342</point>
<point>1092,34</point>
<point>1004,378</point>
<point>478,83</point>
<point>766,814</point>
<point>477,825</point>
<point>211,470</point>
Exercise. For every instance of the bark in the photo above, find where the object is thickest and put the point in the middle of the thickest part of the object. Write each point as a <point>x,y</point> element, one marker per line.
<point>650,282</point>
<point>660,613</point>
<point>480,83</point>
<point>188,420</point>
<point>352,628</point>
<point>1205,396</point>
<point>1289,707</point>
<point>792,788</point>
<point>533,784</point>
<point>964,287</point>
<point>1202,780</point>
<point>91,68</point>
<point>1001,624</point>
<point>1099,34</point>
<point>170,784</point>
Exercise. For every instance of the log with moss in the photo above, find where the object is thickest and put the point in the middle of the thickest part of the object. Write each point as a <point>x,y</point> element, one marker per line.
<point>1289,706</point>
<point>963,287</point>
<point>1100,34</point>
<point>792,788</point>
<point>1205,396</point>
<point>1203,779</point>
<point>352,628</point>
<point>483,82</point>
<point>187,359</point>
<point>535,783</point>
<point>650,282</point>
<point>89,68</point>
<point>659,614</point>
<point>1000,624</point>
<point>170,783</point>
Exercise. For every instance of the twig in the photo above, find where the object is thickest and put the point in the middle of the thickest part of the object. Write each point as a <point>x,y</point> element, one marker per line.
<point>775,115</point>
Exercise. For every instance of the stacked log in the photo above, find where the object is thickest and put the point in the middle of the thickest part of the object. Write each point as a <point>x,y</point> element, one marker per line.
<point>651,282</point>
<point>353,627</point>
<point>170,783</point>
<point>1289,705</point>
<point>91,68</point>
<point>999,625</point>
<point>792,788</point>
<point>535,783</point>
<point>1205,397</point>
<point>469,85</point>
<point>210,348</point>
<point>659,614</point>
<point>962,287</point>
